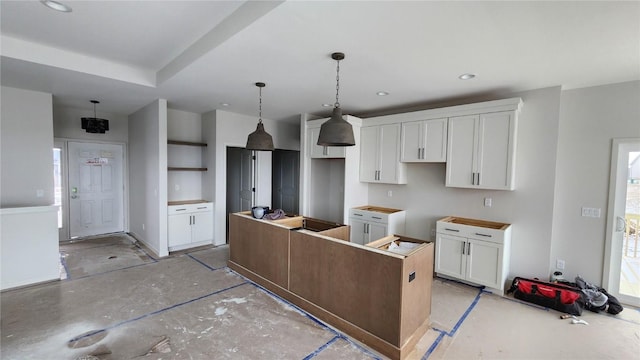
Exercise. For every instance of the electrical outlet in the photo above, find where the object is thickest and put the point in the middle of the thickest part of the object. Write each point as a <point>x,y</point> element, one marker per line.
<point>142,226</point>
<point>389,193</point>
<point>559,264</point>
<point>487,202</point>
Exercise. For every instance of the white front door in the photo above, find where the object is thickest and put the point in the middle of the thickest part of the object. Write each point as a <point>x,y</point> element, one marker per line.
<point>95,189</point>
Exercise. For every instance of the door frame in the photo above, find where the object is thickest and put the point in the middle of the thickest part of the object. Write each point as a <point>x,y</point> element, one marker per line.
<point>613,245</point>
<point>64,233</point>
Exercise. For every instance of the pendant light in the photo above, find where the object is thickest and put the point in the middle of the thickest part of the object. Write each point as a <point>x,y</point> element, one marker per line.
<point>336,131</point>
<point>260,139</point>
<point>94,124</point>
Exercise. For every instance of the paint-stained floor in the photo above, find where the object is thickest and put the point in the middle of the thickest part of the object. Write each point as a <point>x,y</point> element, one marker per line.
<point>117,302</point>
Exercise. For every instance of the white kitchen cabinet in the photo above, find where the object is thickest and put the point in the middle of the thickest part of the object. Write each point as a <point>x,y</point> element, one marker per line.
<point>321,152</point>
<point>380,155</point>
<point>369,223</point>
<point>424,141</point>
<point>481,151</point>
<point>476,251</point>
<point>190,225</point>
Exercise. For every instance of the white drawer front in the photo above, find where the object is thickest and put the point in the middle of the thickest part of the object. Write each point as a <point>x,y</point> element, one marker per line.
<point>468,231</point>
<point>189,208</point>
<point>369,216</point>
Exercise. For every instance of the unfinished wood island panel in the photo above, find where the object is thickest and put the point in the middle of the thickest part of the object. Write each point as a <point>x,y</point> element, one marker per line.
<point>260,247</point>
<point>378,297</point>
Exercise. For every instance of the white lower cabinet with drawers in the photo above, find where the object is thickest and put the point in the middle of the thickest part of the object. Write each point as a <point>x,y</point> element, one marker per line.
<point>190,225</point>
<point>369,223</point>
<point>475,251</point>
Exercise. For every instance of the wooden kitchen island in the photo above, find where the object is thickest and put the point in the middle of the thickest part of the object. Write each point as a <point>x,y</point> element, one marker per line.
<point>378,297</point>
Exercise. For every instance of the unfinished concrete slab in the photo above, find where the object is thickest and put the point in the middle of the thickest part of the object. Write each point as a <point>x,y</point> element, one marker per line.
<point>190,305</point>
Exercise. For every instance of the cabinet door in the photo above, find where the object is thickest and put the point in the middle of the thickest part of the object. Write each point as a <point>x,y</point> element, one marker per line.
<point>435,141</point>
<point>315,150</point>
<point>496,151</point>
<point>179,227</point>
<point>389,153</point>
<point>411,142</point>
<point>450,257</point>
<point>461,150</point>
<point>484,259</point>
<point>320,152</point>
<point>377,231</point>
<point>358,234</point>
<point>369,162</point>
<point>202,227</point>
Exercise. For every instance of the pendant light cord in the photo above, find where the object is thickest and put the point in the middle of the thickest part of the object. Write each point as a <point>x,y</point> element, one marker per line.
<point>337,104</point>
<point>260,106</point>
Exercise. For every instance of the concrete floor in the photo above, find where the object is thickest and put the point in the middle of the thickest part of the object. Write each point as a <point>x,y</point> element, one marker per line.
<point>117,302</point>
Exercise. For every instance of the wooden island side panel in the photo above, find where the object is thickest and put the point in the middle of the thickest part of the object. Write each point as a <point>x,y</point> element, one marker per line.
<point>360,286</point>
<point>260,247</point>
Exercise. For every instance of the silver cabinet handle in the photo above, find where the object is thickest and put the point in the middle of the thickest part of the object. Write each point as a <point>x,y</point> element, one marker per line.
<point>454,230</point>
<point>419,155</point>
<point>463,245</point>
<point>486,235</point>
<point>469,249</point>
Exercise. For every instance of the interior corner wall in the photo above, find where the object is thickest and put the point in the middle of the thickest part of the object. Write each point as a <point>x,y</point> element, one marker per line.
<point>148,176</point>
<point>67,125</point>
<point>26,147</point>
<point>528,208</point>
<point>590,118</point>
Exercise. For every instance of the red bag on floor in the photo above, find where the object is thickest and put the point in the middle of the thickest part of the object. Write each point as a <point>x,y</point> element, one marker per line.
<point>555,296</point>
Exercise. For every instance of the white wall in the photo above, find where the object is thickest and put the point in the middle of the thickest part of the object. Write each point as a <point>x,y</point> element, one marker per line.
<point>230,129</point>
<point>28,254</point>
<point>184,126</point>
<point>26,147</point>
<point>590,119</point>
<point>67,124</point>
<point>148,176</point>
<point>528,208</point>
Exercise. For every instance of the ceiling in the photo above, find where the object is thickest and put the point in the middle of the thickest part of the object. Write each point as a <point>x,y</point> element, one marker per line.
<point>201,55</point>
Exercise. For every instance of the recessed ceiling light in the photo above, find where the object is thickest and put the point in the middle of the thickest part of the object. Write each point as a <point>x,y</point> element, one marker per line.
<point>382,93</point>
<point>57,6</point>
<point>467,76</point>
<point>224,104</point>
<point>327,105</point>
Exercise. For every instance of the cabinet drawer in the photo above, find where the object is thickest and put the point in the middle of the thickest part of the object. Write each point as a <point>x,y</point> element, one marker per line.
<point>369,216</point>
<point>493,232</point>
<point>189,208</point>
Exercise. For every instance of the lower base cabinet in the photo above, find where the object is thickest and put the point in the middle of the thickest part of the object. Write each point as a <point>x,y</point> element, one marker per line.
<point>476,251</point>
<point>190,225</point>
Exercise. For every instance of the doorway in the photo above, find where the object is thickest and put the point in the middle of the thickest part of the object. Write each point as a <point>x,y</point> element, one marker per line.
<point>286,181</point>
<point>622,255</point>
<point>240,181</point>
<point>95,189</point>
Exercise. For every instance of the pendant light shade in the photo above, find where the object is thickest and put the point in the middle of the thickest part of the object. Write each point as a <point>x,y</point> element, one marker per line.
<point>336,131</point>
<point>260,140</point>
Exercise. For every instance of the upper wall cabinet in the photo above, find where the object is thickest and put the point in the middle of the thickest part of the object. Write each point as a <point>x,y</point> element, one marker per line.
<point>380,155</point>
<point>481,151</point>
<point>424,141</point>
<point>323,152</point>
